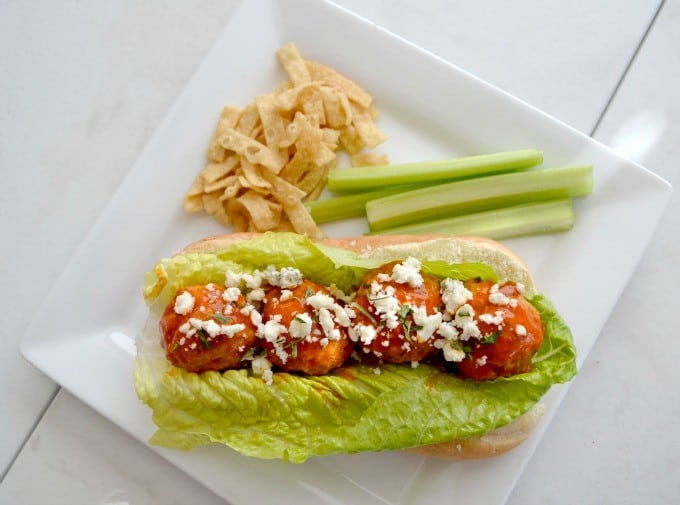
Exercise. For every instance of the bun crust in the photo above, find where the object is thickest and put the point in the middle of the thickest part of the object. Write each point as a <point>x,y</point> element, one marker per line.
<point>461,249</point>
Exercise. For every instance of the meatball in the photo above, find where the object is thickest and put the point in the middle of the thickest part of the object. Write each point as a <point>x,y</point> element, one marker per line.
<point>510,329</point>
<point>208,328</point>
<point>305,329</point>
<point>397,313</point>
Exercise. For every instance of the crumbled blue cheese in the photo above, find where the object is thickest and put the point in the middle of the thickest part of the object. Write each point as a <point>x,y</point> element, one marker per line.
<point>211,327</point>
<point>231,295</point>
<point>496,318</point>
<point>184,303</point>
<point>498,298</point>
<point>300,326</point>
<point>328,325</point>
<point>450,352</point>
<point>329,312</point>
<point>448,330</point>
<point>521,330</point>
<point>344,316</point>
<point>320,300</point>
<point>428,324</point>
<point>408,272</point>
<point>187,329</point>
<point>287,277</point>
<point>386,305</point>
<point>470,330</point>
<point>250,280</point>
<point>262,367</point>
<point>247,309</point>
<point>364,333</point>
<point>272,332</point>
<point>464,320</point>
<point>256,295</point>
<point>454,294</point>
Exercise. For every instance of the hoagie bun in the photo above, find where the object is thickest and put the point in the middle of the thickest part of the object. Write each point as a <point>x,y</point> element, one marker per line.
<point>385,249</point>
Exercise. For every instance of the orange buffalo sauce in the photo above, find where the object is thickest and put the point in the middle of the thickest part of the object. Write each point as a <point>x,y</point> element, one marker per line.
<point>277,320</point>
<point>207,328</point>
<point>511,330</point>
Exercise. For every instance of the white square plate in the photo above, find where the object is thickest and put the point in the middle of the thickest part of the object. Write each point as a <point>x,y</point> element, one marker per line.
<point>430,109</point>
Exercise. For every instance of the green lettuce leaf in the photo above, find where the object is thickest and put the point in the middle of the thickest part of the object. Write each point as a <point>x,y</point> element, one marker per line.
<point>351,410</point>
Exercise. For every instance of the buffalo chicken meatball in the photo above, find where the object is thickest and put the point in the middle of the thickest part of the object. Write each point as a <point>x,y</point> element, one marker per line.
<point>208,328</point>
<point>493,331</point>
<point>397,313</point>
<point>305,329</point>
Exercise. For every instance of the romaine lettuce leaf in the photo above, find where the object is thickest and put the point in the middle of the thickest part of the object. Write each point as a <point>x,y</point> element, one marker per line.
<point>351,410</point>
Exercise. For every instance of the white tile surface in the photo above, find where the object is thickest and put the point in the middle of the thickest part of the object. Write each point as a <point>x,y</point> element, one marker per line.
<point>88,87</point>
<point>628,448</point>
<point>562,57</point>
<point>79,98</point>
<point>82,458</point>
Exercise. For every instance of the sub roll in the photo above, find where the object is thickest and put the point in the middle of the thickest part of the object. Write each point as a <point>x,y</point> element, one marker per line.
<point>283,347</point>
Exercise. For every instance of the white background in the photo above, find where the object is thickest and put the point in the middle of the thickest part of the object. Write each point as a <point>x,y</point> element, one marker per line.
<point>84,85</point>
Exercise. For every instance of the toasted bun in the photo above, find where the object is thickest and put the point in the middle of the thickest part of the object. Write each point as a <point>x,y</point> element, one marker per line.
<point>506,263</point>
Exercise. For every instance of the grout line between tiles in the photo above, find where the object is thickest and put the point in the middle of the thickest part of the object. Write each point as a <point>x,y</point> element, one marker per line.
<point>28,436</point>
<point>627,69</point>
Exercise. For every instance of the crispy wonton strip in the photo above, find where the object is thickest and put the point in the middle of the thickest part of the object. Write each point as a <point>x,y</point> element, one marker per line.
<point>302,221</point>
<point>252,150</point>
<point>330,77</point>
<point>293,64</point>
<point>228,119</point>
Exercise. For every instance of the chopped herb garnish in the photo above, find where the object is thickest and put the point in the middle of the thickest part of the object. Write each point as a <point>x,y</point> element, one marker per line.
<point>221,318</point>
<point>250,354</point>
<point>365,313</point>
<point>309,292</point>
<point>407,322</point>
<point>300,320</point>
<point>491,339</point>
<point>294,346</point>
<point>404,312</point>
<point>204,338</point>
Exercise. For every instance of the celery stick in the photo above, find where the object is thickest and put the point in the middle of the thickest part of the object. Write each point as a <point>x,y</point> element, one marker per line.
<point>476,195</point>
<point>361,179</point>
<point>349,206</point>
<point>517,220</point>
